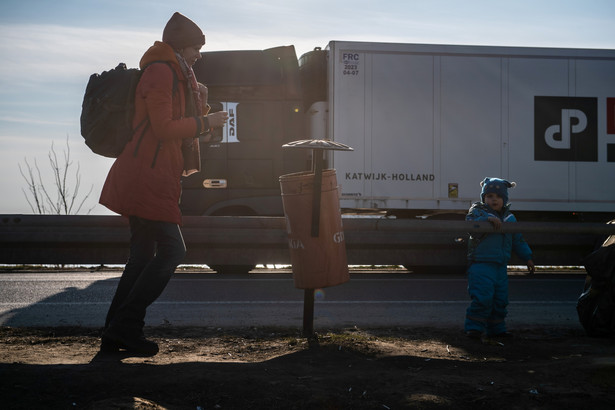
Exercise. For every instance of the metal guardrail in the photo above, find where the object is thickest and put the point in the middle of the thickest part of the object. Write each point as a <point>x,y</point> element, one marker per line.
<point>233,240</point>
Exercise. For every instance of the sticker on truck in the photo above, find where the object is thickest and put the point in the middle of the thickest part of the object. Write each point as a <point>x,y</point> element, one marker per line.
<point>229,131</point>
<point>351,63</point>
<point>386,176</point>
<point>565,129</point>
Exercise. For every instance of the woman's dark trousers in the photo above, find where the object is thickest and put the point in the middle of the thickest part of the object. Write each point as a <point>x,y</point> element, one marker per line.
<point>156,249</point>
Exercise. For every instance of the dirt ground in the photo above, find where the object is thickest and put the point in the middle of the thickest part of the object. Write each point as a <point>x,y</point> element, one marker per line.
<point>272,368</point>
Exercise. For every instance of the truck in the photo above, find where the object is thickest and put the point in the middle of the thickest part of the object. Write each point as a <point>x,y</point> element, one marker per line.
<point>427,123</point>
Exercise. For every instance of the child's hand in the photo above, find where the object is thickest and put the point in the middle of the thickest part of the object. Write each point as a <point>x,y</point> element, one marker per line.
<point>496,222</point>
<point>530,267</point>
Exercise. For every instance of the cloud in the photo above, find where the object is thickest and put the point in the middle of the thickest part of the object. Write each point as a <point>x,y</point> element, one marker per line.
<point>34,121</point>
<point>59,53</point>
<point>35,55</point>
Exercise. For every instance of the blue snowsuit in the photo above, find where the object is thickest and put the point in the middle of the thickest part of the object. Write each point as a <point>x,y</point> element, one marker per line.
<point>488,256</point>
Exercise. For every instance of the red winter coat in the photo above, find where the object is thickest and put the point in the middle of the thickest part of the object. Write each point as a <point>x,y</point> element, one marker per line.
<point>144,180</point>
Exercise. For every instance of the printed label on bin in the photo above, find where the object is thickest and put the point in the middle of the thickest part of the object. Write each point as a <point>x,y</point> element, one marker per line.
<point>338,237</point>
<point>295,244</point>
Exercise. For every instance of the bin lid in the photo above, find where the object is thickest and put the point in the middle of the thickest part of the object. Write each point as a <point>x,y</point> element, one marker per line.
<point>318,144</point>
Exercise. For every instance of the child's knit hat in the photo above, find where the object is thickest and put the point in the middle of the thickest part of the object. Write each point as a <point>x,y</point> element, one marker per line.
<point>497,186</point>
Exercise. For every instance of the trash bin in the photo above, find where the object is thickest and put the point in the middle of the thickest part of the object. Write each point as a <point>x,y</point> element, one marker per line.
<point>320,261</point>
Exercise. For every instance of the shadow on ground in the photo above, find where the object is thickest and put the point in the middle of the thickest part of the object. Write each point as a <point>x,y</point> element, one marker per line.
<point>272,368</point>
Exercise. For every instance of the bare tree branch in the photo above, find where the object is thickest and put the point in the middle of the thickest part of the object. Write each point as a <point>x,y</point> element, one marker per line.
<point>38,206</point>
<point>40,193</point>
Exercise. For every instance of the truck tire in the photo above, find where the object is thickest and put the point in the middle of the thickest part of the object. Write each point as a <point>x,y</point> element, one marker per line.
<point>233,269</point>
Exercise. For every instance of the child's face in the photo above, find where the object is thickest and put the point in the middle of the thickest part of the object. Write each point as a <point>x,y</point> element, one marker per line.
<point>494,201</point>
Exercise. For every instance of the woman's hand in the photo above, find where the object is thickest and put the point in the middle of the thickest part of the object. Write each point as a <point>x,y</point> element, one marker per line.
<point>217,119</point>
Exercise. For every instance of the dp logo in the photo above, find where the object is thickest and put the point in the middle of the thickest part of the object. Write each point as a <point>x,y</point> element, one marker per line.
<point>565,129</point>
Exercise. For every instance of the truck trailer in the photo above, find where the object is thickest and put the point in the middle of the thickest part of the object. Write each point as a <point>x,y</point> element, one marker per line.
<point>427,123</point>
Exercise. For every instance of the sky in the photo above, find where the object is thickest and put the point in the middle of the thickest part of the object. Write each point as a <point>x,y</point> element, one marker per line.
<point>50,48</point>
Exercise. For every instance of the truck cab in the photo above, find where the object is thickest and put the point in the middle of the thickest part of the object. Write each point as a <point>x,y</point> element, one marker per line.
<point>240,171</point>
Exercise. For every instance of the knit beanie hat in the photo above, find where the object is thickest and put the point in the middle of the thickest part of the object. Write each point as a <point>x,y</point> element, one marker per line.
<point>497,186</point>
<point>181,32</point>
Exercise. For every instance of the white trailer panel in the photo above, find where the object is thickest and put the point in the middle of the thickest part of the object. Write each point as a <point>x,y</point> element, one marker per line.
<point>429,122</point>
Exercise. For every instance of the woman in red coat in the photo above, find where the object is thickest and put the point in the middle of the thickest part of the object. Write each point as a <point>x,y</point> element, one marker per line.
<point>144,182</point>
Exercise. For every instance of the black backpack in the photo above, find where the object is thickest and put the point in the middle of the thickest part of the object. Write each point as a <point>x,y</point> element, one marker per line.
<point>108,109</point>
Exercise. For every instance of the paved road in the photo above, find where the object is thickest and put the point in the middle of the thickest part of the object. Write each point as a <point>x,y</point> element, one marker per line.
<point>263,299</point>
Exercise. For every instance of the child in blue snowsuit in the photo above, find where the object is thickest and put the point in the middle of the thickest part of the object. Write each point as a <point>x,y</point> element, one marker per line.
<point>488,256</point>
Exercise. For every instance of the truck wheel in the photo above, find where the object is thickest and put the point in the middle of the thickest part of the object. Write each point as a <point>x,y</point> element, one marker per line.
<point>443,269</point>
<point>233,269</point>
